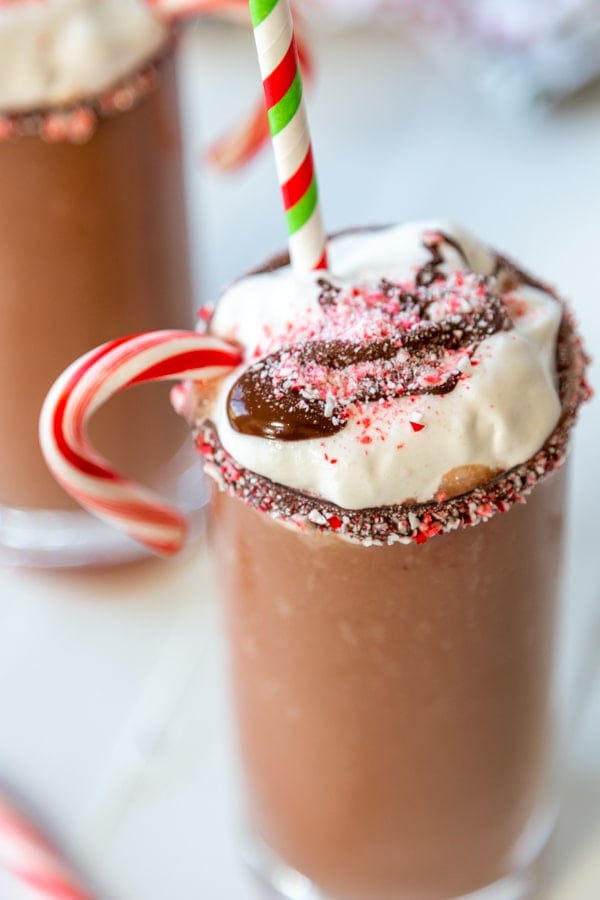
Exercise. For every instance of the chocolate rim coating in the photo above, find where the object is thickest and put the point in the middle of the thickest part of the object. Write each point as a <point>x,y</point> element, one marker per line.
<point>137,84</point>
<point>403,522</point>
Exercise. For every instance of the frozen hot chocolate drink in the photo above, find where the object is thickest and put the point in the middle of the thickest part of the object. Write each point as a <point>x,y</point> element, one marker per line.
<point>92,241</point>
<point>388,527</point>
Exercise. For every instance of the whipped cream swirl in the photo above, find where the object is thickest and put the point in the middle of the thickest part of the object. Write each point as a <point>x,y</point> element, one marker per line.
<point>58,52</point>
<point>420,355</point>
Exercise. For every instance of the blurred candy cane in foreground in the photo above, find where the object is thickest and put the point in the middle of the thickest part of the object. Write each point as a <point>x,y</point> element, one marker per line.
<point>32,861</point>
<point>244,140</point>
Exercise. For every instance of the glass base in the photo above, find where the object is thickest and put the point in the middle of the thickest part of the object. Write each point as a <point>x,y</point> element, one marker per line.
<point>277,881</point>
<point>67,539</point>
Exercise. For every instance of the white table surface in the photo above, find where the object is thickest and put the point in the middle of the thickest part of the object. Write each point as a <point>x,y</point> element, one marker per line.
<point>113,709</point>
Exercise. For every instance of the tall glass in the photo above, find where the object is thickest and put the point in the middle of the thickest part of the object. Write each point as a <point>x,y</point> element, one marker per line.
<point>93,245</point>
<point>394,704</point>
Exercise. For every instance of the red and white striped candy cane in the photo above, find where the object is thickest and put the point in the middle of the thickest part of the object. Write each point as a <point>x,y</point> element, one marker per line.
<point>187,9</point>
<point>32,860</point>
<point>84,387</point>
<point>240,143</point>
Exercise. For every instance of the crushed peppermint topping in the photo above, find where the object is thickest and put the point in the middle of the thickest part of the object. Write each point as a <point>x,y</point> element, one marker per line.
<point>370,344</point>
<point>408,523</point>
<point>383,374</point>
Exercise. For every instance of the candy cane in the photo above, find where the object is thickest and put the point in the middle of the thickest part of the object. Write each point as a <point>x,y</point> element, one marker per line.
<point>84,387</point>
<point>282,83</point>
<point>185,9</point>
<point>243,141</point>
<point>32,860</point>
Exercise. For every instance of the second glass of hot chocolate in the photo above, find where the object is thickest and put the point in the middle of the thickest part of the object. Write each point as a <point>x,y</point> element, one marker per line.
<point>93,245</point>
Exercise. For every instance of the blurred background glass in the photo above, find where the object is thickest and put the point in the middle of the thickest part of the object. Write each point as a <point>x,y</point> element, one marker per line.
<point>524,50</point>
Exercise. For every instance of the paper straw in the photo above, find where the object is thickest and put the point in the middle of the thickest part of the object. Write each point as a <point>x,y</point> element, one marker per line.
<point>84,387</point>
<point>282,83</point>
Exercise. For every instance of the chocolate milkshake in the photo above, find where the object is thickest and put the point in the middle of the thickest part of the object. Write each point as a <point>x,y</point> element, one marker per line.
<point>388,528</point>
<point>93,242</point>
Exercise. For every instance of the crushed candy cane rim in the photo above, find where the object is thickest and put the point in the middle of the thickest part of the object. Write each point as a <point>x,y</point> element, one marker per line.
<point>77,123</point>
<point>404,523</point>
<point>85,386</point>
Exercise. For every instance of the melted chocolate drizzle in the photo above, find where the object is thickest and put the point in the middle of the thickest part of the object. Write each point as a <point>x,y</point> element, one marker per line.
<point>511,276</point>
<point>434,242</point>
<point>265,403</point>
<point>256,407</point>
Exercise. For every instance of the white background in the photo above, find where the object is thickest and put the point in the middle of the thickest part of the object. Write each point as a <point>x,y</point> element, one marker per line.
<point>113,711</point>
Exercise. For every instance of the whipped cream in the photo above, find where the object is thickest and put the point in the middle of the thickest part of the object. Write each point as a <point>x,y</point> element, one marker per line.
<point>503,404</point>
<point>57,52</point>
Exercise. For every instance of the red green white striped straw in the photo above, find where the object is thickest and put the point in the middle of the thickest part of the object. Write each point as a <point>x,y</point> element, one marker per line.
<point>282,82</point>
